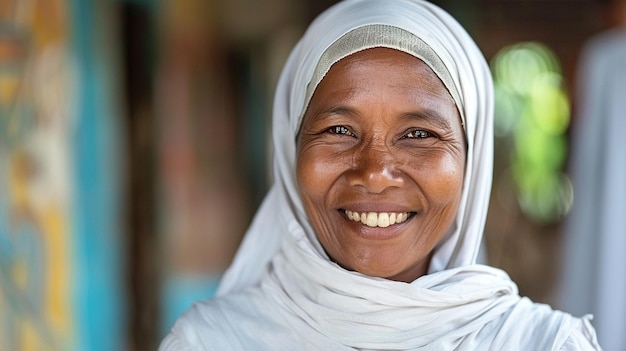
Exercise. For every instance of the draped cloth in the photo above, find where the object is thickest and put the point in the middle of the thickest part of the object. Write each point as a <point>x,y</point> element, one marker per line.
<point>282,291</point>
<point>593,256</point>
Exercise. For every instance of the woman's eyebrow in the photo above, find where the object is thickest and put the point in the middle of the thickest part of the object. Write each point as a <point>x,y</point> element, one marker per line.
<point>338,110</point>
<point>431,116</point>
<point>333,111</point>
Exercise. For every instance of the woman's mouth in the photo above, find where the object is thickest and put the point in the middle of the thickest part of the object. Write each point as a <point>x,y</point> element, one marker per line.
<point>378,219</point>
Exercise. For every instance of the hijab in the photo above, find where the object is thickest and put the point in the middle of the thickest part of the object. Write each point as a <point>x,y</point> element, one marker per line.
<point>283,292</point>
<point>452,53</point>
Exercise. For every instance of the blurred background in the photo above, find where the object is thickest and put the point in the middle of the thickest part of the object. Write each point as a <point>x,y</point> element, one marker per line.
<point>134,150</point>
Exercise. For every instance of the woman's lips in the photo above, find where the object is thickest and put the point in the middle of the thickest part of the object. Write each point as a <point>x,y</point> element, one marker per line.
<point>377,219</point>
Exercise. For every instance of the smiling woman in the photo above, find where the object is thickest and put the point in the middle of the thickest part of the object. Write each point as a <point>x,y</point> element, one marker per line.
<point>368,239</point>
<point>364,161</point>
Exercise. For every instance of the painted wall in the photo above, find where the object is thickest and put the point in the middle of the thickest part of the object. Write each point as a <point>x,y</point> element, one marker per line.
<point>59,195</point>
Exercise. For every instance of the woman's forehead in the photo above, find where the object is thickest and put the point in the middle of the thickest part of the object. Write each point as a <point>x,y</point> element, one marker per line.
<point>381,36</point>
<point>374,72</point>
<point>382,80</point>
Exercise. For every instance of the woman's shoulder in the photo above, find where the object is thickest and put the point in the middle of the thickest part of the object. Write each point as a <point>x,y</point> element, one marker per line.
<point>224,323</point>
<point>582,336</point>
<point>541,327</point>
<point>202,327</point>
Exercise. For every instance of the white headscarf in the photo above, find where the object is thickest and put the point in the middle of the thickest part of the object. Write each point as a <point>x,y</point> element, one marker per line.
<point>282,292</point>
<point>471,78</point>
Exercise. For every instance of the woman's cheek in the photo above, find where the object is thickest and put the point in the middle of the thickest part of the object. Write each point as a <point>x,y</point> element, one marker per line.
<point>311,169</point>
<point>445,178</point>
<point>319,165</point>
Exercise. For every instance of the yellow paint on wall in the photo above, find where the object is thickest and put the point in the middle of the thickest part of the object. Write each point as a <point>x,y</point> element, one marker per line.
<point>54,225</point>
<point>9,87</point>
<point>30,339</point>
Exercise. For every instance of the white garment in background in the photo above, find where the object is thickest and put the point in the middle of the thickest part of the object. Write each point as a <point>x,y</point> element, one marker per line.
<point>283,293</point>
<point>594,269</point>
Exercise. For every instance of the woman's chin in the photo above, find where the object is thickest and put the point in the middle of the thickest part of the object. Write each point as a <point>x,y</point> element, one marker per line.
<point>398,272</point>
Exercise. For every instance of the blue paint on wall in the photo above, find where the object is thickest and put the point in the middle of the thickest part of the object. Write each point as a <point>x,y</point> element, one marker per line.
<point>98,249</point>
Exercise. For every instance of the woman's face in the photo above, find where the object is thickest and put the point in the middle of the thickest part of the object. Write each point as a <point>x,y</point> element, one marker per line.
<point>380,163</point>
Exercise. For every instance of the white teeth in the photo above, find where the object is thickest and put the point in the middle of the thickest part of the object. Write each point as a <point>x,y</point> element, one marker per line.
<point>392,219</point>
<point>349,215</point>
<point>378,219</point>
<point>372,219</point>
<point>383,220</point>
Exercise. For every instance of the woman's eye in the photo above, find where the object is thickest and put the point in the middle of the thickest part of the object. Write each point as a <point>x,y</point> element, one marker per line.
<point>417,134</point>
<point>341,130</point>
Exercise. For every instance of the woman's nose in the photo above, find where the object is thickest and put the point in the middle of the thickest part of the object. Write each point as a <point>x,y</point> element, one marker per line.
<point>375,170</point>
